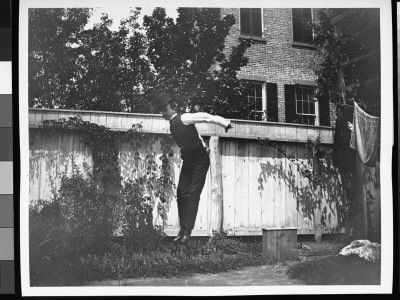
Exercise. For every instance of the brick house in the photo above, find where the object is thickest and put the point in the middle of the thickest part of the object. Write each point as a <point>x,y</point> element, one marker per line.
<point>280,64</point>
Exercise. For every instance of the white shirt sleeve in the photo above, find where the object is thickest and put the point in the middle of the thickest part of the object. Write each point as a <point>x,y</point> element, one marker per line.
<point>202,117</point>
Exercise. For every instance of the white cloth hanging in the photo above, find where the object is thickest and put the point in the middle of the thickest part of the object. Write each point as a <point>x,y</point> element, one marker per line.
<point>365,135</point>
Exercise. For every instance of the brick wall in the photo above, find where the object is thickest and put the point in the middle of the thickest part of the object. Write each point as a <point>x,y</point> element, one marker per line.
<point>275,57</point>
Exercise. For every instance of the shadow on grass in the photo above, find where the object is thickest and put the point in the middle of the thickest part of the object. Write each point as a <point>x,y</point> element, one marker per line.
<point>337,270</point>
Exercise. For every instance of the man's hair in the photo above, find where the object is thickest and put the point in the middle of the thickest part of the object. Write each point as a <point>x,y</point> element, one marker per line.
<point>173,104</point>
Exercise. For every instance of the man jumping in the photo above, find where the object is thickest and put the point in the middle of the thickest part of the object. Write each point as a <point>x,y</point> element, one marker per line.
<point>195,159</point>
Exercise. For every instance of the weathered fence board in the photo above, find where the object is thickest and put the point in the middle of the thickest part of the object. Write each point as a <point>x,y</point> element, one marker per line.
<point>280,192</point>
<point>228,182</point>
<point>254,197</point>
<point>266,188</point>
<point>156,124</point>
<point>291,194</point>
<point>260,188</point>
<point>241,185</point>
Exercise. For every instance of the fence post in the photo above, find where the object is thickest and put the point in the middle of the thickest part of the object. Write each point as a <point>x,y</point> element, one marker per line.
<point>216,215</point>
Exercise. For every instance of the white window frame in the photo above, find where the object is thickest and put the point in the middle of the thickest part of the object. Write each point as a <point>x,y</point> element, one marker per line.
<point>316,107</point>
<point>264,101</point>
<point>312,21</point>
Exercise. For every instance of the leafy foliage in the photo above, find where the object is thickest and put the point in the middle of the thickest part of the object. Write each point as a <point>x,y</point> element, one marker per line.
<point>189,58</point>
<point>103,143</point>
<point>113,66</point>
<point>76,222</point>
<point>358,46</point>
<point>90,207</point>
<point>353,54</point>
<point>75,67</point>
<point>53,64</point>
<point>92,69</point>
<point>137,228</point>
<point>86,212</point>
<point>87,203</point>
<point>45,232</point>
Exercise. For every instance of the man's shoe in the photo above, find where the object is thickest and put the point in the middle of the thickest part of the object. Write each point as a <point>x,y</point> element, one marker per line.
<point>179,236</point>
<point>185,237</point>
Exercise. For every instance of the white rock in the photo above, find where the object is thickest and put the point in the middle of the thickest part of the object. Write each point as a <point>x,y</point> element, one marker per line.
<point>364,249</point>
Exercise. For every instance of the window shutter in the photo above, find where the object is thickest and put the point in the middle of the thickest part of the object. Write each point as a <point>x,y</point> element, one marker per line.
<point>272,102</point>
<point>324,111</point>
<point>290,103</point>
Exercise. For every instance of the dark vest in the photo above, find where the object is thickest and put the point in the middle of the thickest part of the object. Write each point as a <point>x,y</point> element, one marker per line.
<point>186,136</point>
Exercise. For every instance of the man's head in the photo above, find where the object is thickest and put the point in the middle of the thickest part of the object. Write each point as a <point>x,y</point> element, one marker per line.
<point>166,105</point>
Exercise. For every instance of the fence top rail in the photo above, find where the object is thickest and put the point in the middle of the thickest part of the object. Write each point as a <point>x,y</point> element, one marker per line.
<point>155,123</point>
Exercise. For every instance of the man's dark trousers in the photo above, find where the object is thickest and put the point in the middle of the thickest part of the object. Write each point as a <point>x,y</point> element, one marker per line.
<point>191,182</point>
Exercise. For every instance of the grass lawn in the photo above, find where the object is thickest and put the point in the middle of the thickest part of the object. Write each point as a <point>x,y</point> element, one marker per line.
<point>218,254</point>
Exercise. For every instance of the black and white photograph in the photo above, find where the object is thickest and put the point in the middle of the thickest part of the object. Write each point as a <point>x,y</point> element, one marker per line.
<point>205,147</point>
<point>398,126</point>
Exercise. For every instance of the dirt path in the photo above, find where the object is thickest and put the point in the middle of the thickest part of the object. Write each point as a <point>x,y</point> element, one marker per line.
<point>255,276</point>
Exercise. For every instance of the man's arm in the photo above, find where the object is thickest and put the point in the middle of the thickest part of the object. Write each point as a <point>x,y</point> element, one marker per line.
<point>202,117</point>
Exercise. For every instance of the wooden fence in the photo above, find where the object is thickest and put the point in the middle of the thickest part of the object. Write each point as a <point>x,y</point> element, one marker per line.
<point>249,186</point>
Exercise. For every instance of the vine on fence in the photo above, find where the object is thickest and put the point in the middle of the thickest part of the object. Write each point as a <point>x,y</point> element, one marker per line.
<point>126,205</point>
<point>327,179</point>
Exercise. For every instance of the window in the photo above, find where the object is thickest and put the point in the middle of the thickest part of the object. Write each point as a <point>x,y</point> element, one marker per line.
<point>301,106</point>
<point>305,105</point>
<point>250,21</point>
<point>255,102</point>
<point>261,101</point>
<point>302,31</point>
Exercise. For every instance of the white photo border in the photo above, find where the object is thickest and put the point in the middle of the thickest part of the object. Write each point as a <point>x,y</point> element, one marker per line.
<point>386,159</point>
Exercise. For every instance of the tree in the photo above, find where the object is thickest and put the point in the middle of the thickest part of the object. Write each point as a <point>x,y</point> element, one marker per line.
<point>92,69</point>
<point>352,52</point>
<point>50,58</point>
<point>73,67</point>
<point>348,69</point>
<point>113,67</point>
<point>189,59</point>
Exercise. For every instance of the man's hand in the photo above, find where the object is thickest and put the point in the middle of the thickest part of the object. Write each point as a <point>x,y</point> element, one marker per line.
<point>230,125</point>
<point>350,126</point>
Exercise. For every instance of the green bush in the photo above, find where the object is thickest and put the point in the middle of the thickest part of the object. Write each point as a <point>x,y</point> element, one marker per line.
<point>137,228</point>
<point>45,238</point>
<point>50,250</point>
<point>337,270</point>
<point>89,207</point>
<point>80,221</point>
<point>86,212</point>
